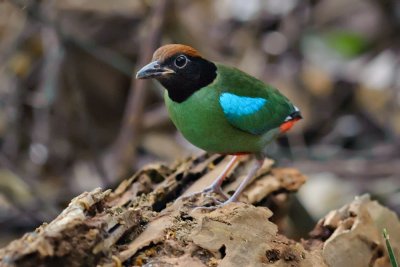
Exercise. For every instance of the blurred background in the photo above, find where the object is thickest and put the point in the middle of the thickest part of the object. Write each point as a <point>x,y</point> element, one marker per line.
<point>73,118</point>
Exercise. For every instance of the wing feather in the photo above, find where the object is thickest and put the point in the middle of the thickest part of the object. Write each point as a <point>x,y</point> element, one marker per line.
<point>249,104</point>
<point>245,113</point>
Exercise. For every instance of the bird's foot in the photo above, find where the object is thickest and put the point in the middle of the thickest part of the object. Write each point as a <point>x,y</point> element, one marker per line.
<point>214,207</point>
<point>238,191</point>
<point>217,190</point>
<point>205,199</point>
<point>207,191</point>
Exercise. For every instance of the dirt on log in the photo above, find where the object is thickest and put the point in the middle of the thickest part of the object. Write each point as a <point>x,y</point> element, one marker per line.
<point>152,219</point>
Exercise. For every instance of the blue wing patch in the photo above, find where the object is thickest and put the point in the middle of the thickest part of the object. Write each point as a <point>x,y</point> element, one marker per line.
<point>235,106</point>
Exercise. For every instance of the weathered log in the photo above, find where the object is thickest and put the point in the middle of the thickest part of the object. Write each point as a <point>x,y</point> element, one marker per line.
<point>143,223</point>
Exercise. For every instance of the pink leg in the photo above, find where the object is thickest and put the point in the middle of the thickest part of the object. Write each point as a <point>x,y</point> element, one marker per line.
<point>245,182</point>
<point>216,185</point>
<point>239,190</point>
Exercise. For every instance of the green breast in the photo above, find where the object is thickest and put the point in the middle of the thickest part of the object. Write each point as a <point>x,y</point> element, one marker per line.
<point>201,121</point>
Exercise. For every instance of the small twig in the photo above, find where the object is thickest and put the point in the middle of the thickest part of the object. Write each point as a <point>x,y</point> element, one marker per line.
<point>48,210</point>
<point>128,138</point>
<point>156,117</point>
<point>87,124</point>
<point>110,57</point>
<point>106,55</point>
<point>45,95</point>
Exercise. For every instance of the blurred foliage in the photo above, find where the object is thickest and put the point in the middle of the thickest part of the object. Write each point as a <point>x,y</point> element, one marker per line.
<point>392,256</point>
<point>65,80</point>
<point>347,44</point>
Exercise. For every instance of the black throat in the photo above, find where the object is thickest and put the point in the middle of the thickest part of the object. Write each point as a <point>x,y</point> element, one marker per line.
<point>184,82</point>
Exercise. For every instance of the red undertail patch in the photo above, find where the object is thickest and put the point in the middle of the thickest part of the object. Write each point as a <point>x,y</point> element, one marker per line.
<point>286,126</point>
<point>240,154</point>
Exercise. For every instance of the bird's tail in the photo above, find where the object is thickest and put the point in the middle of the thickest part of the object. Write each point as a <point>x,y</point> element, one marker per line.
<point>295,115</point>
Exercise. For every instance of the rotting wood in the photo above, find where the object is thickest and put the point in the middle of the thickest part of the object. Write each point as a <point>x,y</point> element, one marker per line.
<point>140,223</point>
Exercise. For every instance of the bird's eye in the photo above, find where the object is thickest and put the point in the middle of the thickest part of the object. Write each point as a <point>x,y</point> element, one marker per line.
<point>181,61</point>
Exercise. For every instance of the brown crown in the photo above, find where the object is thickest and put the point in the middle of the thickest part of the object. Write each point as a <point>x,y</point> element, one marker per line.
<point>169,50</point>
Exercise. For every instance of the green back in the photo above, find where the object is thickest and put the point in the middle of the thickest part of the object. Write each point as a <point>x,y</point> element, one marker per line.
<point>201,118</point>
<point>268,117</point>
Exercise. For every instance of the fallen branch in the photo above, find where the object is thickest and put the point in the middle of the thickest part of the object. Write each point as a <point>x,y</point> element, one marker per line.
<point>141,222</point>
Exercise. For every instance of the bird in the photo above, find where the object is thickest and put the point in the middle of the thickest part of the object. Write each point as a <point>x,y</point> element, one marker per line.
<point>219,108</point>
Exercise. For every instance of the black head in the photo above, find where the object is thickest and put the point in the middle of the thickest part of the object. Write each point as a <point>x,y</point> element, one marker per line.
<point>180,69</point>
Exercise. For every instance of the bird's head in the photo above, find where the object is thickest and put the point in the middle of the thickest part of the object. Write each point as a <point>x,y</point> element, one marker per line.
<point>169,61</point>
<point>180,69</point>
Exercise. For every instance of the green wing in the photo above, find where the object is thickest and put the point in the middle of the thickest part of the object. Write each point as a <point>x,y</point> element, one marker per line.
<point>248,103</point>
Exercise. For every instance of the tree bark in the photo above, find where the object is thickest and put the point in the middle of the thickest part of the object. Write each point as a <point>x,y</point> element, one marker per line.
<point>154,219</point>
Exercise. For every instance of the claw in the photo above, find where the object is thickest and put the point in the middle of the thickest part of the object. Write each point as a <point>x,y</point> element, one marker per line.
<point>203,209</point>
<point>207,191</point>
<point>214,207</point>
<point>216,190</point>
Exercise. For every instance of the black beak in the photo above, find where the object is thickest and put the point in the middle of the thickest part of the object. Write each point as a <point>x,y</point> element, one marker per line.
<point>153,70</point>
